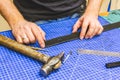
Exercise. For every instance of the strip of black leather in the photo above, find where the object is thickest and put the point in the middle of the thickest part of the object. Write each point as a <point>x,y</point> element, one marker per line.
<point>74,36</point>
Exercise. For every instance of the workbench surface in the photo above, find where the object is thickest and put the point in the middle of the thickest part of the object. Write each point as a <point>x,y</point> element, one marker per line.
<point>15,66</point>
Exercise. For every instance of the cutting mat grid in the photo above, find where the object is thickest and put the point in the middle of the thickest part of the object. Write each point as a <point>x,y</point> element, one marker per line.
<point>15,66</point>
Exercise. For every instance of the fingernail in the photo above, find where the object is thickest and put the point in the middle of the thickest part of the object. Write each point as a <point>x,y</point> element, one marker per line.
<point>91,37</point>
<point>44,38</point>
<point>73,31</point>
<point>42,45</point>
<point>86,37</point>
<point>81,38</point>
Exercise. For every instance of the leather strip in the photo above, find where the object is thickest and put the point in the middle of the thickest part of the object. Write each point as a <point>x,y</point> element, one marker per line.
<point>74,36</point>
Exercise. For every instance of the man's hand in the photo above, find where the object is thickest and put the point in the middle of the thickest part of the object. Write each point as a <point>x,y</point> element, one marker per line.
<point>89,25</point>
<point>24,31</point>
<point>28,32</point>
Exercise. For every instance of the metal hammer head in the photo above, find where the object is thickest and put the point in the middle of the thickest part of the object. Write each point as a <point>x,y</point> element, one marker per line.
<point>52,64</point>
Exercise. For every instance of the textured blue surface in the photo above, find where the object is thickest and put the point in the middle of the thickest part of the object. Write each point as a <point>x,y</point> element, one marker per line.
<point>15,66</point>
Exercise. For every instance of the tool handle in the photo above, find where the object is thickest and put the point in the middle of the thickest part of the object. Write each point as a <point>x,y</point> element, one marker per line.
<point>112,64</point>
<point>26,50</point>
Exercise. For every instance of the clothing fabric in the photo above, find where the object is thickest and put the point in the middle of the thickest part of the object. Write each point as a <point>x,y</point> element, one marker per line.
<point>34,10</point>
<point>76,15</point>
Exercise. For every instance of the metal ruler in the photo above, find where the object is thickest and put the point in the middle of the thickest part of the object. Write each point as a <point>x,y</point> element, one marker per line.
<point>74,36</point>
<point>102,53</point>
<point>98,52</point>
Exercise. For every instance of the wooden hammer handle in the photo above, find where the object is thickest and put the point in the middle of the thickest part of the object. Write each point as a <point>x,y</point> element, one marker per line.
<point>26,50</point>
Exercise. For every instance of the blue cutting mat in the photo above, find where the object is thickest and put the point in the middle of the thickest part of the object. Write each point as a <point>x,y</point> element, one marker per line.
<point>15,66</point>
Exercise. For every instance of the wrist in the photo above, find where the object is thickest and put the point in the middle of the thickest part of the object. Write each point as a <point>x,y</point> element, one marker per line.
<point>93,7</point>
<point>14,21</point>
<point>92,12</point>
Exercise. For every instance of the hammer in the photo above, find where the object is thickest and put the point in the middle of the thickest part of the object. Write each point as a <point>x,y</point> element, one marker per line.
<point>50,63</point>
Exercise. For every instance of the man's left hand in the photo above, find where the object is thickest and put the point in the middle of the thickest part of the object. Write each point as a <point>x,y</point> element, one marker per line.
<point>89,24</point>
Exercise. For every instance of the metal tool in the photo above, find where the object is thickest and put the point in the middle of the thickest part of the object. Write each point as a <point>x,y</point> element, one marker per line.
<point>74,36</point>
<point>68,55</point>
<point>39,49</point>
<point>97,52</point>
<point>50,63</point>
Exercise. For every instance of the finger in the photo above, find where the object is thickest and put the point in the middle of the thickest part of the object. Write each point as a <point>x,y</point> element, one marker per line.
<point>19,39</point>
<point>40,40</point>
<point>43,33</point>
<point>17,36</point>
<point>90,31</point>
<point>84,29</point>
<point>95,32</point>
<point>97,29</point>
<point>77,25</point>
<point>25,39</point>
<point>38,35</point>
<point>31,36</point>
<point>100,31</point>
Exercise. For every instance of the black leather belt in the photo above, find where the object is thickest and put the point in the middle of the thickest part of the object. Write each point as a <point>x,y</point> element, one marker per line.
<point>74,36</point>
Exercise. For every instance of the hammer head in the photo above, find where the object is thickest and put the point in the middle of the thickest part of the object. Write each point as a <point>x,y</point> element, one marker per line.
<point>52,64</point>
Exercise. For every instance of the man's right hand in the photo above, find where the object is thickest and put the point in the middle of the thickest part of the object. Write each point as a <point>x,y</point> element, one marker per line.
<point>28,32</point>
<point>24,31</point>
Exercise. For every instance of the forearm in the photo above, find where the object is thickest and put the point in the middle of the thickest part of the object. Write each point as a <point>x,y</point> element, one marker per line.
<point>10,12</point>
<point>93,6</point>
